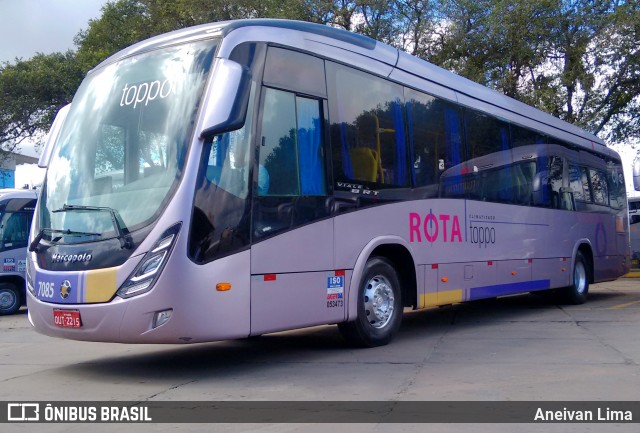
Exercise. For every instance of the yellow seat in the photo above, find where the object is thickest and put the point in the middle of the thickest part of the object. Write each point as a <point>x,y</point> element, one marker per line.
<point>365,163</point>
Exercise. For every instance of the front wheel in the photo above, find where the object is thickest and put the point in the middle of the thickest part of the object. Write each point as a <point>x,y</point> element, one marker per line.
<point>9,299</point>
<point>577,292</point>
<point>379,306</point>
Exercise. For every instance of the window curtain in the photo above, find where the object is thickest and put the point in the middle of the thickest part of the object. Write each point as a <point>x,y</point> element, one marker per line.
<point>401,143</point>
<point>312,180</point>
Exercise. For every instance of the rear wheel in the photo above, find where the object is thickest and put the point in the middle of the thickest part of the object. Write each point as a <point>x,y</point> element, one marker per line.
<point>379,306</point>
<point>9,299</point>
<point>577,292</point>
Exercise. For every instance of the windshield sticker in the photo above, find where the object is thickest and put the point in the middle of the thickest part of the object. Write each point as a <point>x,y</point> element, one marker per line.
<point>145,92</point>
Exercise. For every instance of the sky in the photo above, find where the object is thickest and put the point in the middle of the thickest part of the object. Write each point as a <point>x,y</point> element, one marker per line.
<point>28,27</point>
<point>42,26</point>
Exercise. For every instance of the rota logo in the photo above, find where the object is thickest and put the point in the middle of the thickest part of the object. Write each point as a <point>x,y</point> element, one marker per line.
<point>432,227</point>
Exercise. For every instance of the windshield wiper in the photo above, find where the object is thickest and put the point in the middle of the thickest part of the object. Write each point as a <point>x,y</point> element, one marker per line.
<point>116,219</point>
<point>33,246</point>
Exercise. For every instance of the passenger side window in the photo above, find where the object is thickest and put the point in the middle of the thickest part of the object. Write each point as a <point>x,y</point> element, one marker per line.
<point>278,167</point>
<point>367,128</point>
<point>292,176</point>
<point>488,173</point>
<point>575,183</point>
<point>584,176</point>
<point>291,150</point>
<point>617,193</point>
<point>599,185</point>
<point>485,135</point>
<point>435,141</point>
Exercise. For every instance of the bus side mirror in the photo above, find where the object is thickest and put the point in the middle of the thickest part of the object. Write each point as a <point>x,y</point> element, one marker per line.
<point>636,173</point>
<point>52,136</point>
<point>225,105</point>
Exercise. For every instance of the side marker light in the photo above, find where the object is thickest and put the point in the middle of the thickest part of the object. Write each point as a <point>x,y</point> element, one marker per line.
<point>223,287</point>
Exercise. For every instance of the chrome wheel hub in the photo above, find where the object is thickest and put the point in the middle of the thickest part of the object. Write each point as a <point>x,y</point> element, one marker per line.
<point>378,301</point>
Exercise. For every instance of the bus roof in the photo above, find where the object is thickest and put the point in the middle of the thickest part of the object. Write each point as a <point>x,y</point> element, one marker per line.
<point>9,193</point>
<point>303,35</point>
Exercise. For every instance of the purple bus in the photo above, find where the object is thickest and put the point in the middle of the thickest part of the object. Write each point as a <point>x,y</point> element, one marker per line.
<point>247,177</point>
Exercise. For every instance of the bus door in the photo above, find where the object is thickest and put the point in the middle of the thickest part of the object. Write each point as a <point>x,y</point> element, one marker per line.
<point>292,279</point>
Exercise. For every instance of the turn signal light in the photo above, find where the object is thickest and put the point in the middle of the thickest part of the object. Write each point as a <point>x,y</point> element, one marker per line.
<point>223,287</point>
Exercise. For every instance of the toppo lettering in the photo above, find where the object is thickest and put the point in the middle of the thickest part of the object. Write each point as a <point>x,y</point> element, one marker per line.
<point>145,92</point>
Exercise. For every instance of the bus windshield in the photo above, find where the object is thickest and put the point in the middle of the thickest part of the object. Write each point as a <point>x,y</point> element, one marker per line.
<point>124,144</point>
<point>15,220</point>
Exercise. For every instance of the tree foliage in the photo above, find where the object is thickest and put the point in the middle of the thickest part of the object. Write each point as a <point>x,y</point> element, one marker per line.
<point>31,93</point>
<point>576,59</point>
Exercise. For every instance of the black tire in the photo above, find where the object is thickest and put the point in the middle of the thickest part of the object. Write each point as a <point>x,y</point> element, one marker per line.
<point>10,299</point>
<point>379,306</point>
<point>577,292</point>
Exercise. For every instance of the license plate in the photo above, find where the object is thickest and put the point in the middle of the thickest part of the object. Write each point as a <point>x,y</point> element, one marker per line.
<point>67,318</point>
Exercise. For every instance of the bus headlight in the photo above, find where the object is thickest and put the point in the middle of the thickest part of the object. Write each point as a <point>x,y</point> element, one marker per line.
<point>145,274</point>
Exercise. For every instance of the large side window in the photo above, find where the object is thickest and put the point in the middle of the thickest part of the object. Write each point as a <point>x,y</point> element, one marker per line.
<point>489,172</point>
<point>577,183</point>
<point>584,178</point>
<point>221,217</point>
<point>599,186</point>
<point>521,136</point>
<point>435,141</point>
<point>292,186</point>
<point>367,128</point>
<point>278,169</point>
<point>615,178</point>
<point>485,135</point>
<point>291,151</point>
<point>547,182</point>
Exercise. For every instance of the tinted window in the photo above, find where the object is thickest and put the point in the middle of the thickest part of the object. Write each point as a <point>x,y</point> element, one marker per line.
<point>367,128</point>
<point>435,141</point>
<point>584,177</point>
<point>599,186</point>
<point>278,169</point>
<point>291,172</point>
<point>617,193</point>
<point>221,221</point>
<point>295,71</point>
<point>484,134</point>
<point>524,137</point>
<point>575,183</point>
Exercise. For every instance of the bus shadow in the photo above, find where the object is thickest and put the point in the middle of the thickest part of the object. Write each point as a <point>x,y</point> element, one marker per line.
<point>216,359</point>
<point>317,344</point>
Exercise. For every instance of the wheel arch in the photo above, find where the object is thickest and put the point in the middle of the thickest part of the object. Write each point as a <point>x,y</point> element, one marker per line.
<point>584,246</point>
<point>397,251</point>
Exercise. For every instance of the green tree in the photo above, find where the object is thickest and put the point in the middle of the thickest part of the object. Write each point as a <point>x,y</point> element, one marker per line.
<point>576,59</point>
<point>31,93</point>
<point>121,24</point>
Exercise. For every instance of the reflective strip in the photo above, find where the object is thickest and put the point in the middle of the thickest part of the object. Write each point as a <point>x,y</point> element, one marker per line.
<point>441,298</point>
